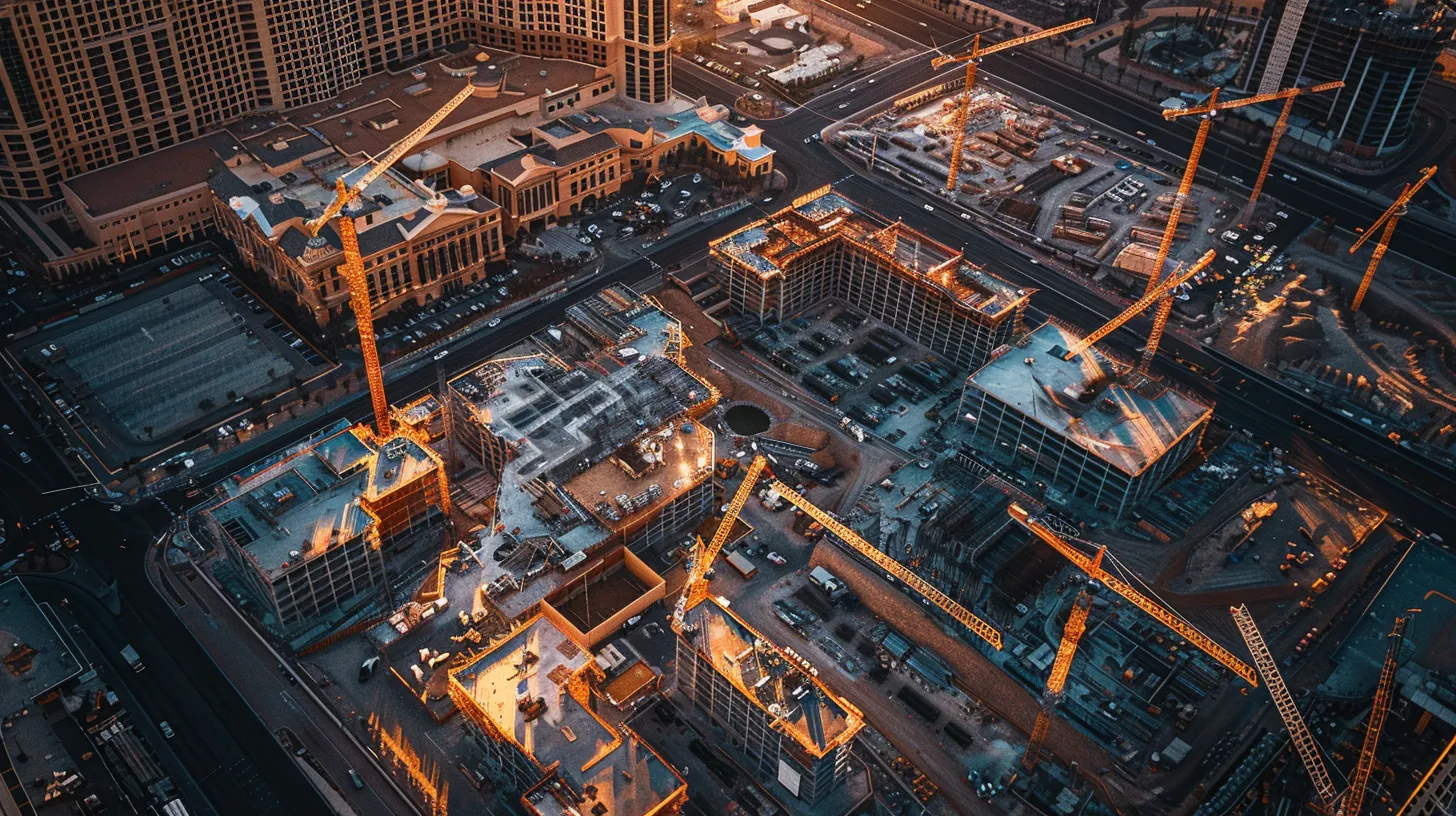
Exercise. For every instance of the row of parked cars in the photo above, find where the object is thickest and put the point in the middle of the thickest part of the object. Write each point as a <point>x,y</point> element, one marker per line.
<point>448,311</point>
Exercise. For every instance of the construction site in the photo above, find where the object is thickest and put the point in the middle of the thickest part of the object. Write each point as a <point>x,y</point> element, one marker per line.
<point>860,533</point>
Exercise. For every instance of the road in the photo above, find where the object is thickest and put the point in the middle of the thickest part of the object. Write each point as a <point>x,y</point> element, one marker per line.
<point>1421,237</point>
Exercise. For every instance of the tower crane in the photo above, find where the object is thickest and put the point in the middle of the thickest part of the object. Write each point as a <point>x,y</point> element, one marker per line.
<point>1165,287</point>
<point>1304,743</point>
<point>1389,219</point>
<point>1280,126</point>
<point>352,269</point>
<point>1092,565</point>
<point>1057,680</point>
<point>1206,113</point>
<point>1355,796</point>
<point>695,588</point>
<point>894,568</point>
<point>972,58</point>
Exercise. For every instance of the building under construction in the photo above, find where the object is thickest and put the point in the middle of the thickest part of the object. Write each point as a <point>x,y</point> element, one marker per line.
<point>589,432</point>
<point>826,246</point>
<point>1384,52</point>
<point>1086,428</point>
<point>311,536</point>
<point>530,704</point>
<point>790,726</point>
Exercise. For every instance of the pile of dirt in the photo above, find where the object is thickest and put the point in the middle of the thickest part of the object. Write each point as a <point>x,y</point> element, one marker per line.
<point>699,327</point>
<point>1301,338</point>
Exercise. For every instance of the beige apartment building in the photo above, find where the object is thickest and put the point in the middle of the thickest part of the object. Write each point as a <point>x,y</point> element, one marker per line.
<point>88,84</point>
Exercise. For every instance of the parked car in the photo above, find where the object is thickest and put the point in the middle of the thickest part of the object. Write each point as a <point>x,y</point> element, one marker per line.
<point>775,558</point>
<point>442,354</point>
<point>493,322</point>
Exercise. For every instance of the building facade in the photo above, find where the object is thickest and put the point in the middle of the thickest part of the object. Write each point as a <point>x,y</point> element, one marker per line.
<point>1384,53</point>
<point>825,246</point>
<point>1075,426</point>
<point>88,84</point>
<point>790,728</point>
<point>415,246</point>
<point>311,538</point>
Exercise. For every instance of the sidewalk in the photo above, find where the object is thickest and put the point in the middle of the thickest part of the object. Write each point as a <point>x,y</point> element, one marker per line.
<point>276,695</point>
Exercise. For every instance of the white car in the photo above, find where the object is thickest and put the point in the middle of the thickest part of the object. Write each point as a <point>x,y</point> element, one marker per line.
<point>25,457</point>
<point>493,322</point>
<point>7,429</point>
<point>697,178</point>
<point>965,216</point>
<point>777,559</point>
<point>843,105</point>
<point>807,140</point>
<point>666,184</point>
<point>442,354</point>
<point>1282,214</point>
<point>166,729</point>
<point>1288,177</point>
<point>928,208</point>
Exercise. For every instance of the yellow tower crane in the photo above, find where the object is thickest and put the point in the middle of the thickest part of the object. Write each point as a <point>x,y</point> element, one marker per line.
<point>1280,126</point>
<point>1389,219</point>
<point>972,58</point>
<point>1355,796</point>
<point>1163,291</point>
<point>352,269</point>
<point>695,588</point>
<point>893,568</point>
<point>1057,680</point>
<point>1304,743</point>
<point>1092,565</point>
<point>1206,113</point>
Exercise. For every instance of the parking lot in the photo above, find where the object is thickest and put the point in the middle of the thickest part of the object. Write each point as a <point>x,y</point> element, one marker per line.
<point>874,376</point>
<point>140,372</point>
<point>623,223</point>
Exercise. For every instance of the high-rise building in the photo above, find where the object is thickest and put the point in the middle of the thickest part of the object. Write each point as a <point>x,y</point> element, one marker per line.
<point>789,726</point>
<point>826,246</point>
<point>1079,425</point>
<point>1384,52</point>
<point>310,537</point>
<point>87,84</point>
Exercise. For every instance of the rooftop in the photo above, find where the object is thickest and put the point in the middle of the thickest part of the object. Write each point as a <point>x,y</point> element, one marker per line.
<point>582,404</point>
<point>804,707</point>
<point>129,183</point>
<point>1425,568</point>
<point>771,247</point>
<point>36,658</point>
<point>522,688</point>
<point>711,123</point>
<point>1083,401</point>
<point>377,112</point>
<point>300,507</point>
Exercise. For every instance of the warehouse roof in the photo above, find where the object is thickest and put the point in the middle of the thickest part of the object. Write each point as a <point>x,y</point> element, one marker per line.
<point>1083,401</point>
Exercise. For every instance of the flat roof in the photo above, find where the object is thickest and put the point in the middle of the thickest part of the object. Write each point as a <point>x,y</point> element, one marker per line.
<point>36,658</point>
<point>772,244</point>
<point>126,184</point>
<point>804,708</point>
<point>537,663</point>
<point>309,502</point>
<point>351,120</point>
<point>1082,401</point>
<point>1424,568</point>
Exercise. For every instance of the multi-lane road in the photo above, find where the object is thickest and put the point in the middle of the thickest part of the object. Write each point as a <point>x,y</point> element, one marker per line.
<point>1353,205</point>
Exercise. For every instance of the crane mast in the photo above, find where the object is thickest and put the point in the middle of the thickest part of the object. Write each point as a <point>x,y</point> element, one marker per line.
<point>1281,125</point>
<point>1304,743</point>
<point>1166,286</point>
<point>1057,680</point>
<point>973,58</point>
<point>695,588</point>
<point>1355,796</point>
<point>979,627</point>
<point>1389,219</point>
<point>352,269</point>
<point>1092,565</point>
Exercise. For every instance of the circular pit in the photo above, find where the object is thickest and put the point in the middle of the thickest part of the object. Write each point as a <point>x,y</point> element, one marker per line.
<point>746,420</point>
